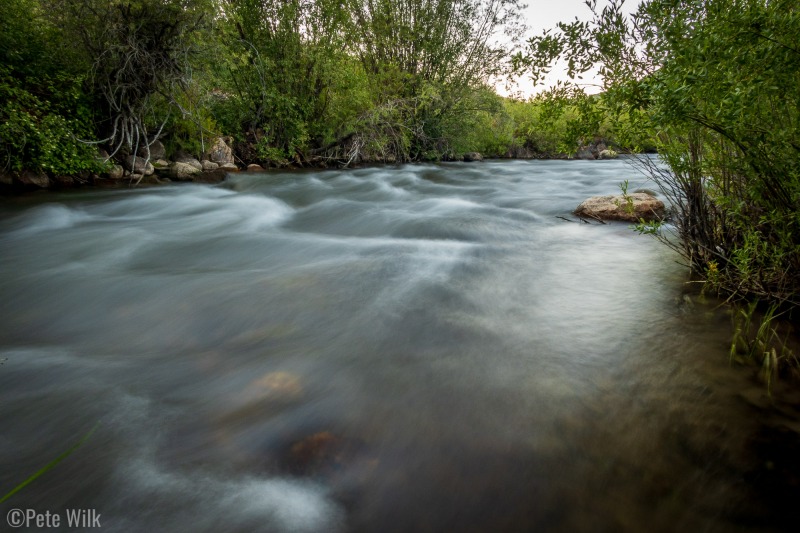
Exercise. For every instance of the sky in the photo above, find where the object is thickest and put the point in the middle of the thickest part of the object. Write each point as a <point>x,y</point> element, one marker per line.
<point>545,14</point>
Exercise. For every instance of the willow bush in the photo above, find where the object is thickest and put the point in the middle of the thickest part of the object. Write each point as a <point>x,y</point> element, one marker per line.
<point>719,80</point>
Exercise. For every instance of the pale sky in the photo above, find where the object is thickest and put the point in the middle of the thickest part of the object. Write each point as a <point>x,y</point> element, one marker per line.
<point>544,14</point>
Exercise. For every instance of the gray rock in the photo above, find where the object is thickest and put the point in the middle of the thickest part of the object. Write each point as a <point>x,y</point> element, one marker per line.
<point>584,153</point>
<point>191,161</point>
<point>608,154</point>
<point>138,165</point>
<point>116,172</point>
<point>183,171</point>
<point>211,176</point>
<point>472,156</point>
<point>157,151</point>
<point>63,180</point>
<point>631,208</point>
<point>209,165</point>
<point>220,152</point>
<point>229,167</point>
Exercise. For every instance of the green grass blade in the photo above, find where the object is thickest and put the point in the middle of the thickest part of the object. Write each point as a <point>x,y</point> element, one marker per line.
<point>49,466</point>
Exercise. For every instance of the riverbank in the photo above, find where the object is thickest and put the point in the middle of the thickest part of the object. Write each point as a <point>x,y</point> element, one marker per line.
<point>152,168</point>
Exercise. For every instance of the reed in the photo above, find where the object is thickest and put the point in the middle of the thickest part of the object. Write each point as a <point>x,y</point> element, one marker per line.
<point>49,466</point>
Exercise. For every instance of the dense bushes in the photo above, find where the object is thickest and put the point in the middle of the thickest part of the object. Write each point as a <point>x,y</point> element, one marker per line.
<point>719,80</point>
<point>43,109</point>
<point>302,82</point>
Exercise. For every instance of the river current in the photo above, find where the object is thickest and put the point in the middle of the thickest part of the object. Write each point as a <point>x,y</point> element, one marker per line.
<point>394,349</point>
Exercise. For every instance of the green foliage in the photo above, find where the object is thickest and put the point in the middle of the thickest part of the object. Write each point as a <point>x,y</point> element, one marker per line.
<point>136,55</point>
<point>280,66</point>
<point>428,62</point>
<point>43,111</point>
<point>757,340</point>
<point>719,80</point>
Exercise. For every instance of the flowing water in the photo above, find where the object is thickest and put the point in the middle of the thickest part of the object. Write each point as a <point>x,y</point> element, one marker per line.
<point>414,348</point>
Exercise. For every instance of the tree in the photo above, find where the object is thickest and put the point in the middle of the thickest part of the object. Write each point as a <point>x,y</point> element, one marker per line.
<point>425,60</point>
<point>720,81</point>
<point>281,65</point>
<point>137,51</point>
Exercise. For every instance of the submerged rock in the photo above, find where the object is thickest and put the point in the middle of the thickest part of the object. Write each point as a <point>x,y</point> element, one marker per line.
<point>631,207</point>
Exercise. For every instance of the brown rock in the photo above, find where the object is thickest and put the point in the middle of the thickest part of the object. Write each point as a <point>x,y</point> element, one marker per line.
<point>183,171</point>
<point>6,179</point>
<point>63,180</point>
<point>29,178</point>
<point>220,152</point>
<point>255,168</point>
<point>631,207</point>
<point>210,176</point>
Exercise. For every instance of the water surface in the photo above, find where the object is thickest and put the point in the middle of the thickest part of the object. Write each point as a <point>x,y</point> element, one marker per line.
<point>414,348</point>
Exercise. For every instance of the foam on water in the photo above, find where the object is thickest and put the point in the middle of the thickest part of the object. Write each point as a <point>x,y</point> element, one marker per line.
<point>381,349</point>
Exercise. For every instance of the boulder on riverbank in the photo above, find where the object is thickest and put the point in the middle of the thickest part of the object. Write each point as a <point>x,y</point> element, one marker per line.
<point>31,179</point>
<point>183,171</point>
<point>156,151</point>
<point>627,207</point>
<point>470,157</point>
<point>220,152</point>
<point>138,165</point>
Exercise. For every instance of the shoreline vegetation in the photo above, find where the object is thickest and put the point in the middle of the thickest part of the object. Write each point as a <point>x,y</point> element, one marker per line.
<point>174,169</point>
<point>86,85</point>
<point>141,91</point>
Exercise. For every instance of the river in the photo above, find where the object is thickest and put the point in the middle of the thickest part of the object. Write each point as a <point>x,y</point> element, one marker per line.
<point>393,349</point>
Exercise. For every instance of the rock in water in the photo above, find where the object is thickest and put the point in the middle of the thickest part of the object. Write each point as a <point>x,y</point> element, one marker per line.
<point>631,207</point>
